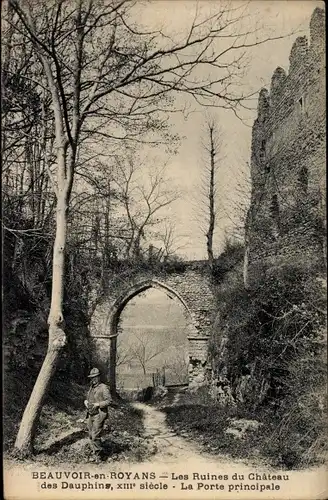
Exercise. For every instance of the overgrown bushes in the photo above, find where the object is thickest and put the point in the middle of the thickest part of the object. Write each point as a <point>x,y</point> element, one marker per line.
<point>231,256</point>
<point>269,349</point>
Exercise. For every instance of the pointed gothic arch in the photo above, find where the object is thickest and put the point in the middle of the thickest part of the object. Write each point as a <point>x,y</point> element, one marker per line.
<point>117,308</point>
<point>191,287</point>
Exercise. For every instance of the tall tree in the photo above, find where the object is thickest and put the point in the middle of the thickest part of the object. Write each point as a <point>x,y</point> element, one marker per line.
<point>107,77</point>
<point>207,210</point>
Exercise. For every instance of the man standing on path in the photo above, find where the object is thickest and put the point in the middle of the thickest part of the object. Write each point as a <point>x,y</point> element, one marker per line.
<point>97,403</point>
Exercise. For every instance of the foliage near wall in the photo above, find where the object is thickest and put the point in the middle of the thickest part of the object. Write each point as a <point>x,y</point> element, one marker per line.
<point>268,356</point>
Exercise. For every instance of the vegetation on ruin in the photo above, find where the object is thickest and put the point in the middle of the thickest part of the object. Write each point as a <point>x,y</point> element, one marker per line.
<point>269,366</point>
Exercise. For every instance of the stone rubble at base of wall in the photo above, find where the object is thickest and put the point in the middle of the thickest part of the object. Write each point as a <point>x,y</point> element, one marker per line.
<point>197,373</point>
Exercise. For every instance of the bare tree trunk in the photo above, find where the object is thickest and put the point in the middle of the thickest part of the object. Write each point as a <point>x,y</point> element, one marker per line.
<point>210,232</point>
<point>107,226</point>
<point>25,436</point>
<point>6,54</point>
<point>136,246</point>
<point>57,337</point>
<point>112,365</point>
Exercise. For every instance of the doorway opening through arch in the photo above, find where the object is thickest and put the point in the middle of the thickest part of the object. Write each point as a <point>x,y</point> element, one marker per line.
<point>149,338</point>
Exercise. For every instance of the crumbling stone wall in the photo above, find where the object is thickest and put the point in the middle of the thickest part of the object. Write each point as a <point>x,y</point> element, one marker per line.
<point>286,218</point>
<point>191,286</point>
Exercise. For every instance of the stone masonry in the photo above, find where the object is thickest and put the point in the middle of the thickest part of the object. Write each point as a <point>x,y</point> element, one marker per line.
<point>287,211</point>
<point>192,287</point>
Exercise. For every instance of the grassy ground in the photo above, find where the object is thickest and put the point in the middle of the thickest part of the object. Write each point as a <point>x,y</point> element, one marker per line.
<point>62,431</point>
<point>122,437</point>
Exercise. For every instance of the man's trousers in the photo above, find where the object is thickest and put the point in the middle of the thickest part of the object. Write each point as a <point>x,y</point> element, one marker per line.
<point>95,427</point>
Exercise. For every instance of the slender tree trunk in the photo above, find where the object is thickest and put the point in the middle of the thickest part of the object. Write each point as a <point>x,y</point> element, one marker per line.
<point>25,436</point>
<point>112,364</point>
<point>57,337</point>
<point>136,247</point>
<point>6,54</point>
<point>107,217</point>
<point>210,232</point>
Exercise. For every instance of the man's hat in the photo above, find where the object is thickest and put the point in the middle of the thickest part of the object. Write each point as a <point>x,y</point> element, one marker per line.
<point>94,373</point>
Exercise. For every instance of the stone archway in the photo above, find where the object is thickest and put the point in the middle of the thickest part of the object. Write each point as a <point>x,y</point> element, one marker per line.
<point>117,308</point>
<point>191,287</point>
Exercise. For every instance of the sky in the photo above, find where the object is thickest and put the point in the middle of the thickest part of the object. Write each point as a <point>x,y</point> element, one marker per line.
<point>165,311</point>
<point>276,18</point>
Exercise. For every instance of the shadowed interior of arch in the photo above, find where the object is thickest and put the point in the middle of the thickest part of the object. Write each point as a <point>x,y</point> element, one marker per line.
<point>152,337</point>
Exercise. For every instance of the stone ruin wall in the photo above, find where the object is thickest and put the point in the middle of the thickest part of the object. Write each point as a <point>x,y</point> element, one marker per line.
<point>287,211</point>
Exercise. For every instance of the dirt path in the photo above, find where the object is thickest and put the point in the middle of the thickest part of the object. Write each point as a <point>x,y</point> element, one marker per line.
<point>174,449</point>
<point>170,447</point>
